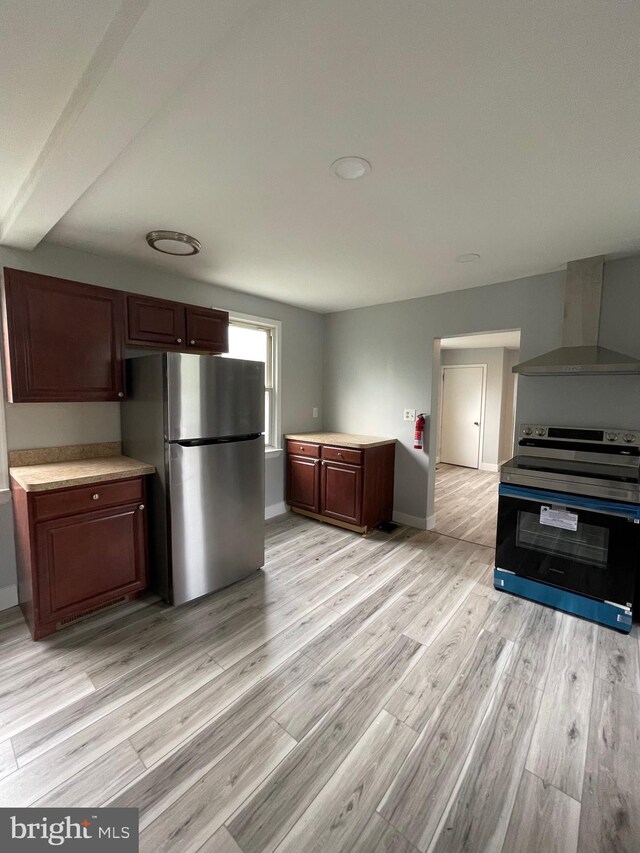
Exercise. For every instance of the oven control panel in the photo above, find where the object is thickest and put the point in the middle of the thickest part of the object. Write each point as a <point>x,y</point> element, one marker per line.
<point>622,437</point>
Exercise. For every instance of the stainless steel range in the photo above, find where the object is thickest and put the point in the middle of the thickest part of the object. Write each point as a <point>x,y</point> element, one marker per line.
<point>569,521</point>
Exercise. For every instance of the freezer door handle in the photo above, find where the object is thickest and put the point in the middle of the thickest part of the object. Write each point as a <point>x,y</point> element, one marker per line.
<point>227,439</point>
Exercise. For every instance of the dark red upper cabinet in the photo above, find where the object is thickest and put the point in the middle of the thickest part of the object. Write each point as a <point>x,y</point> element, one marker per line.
<point>64,340</point>
<point>207,329</point>
<point>155,322</point>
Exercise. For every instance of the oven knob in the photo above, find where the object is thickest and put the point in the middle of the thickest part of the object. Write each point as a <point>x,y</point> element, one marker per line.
<point>540,431</point>
<point>628,436</point>
<point>611,436</point>
<point>527,430</point>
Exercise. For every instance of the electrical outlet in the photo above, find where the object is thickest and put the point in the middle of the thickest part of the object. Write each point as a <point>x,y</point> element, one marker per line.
<point>315,411</point>
<point>409,414</point>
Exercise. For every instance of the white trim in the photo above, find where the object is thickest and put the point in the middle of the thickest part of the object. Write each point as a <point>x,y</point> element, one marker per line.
<point>276,325</point>
<point>272,451</point>
<point>5,496</point>
<point>483,405</point>
<point>431,522</point>
<point>8,596</point>
<point>273,510</point>
<point>410,520</point>
<point>489,466</point>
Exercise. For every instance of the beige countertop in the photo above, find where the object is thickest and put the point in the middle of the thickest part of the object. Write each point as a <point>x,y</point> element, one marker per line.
<point>79,472</point>
<point>342,439</point>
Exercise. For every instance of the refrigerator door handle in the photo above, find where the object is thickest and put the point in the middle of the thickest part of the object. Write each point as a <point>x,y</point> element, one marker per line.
<point>227,439</point>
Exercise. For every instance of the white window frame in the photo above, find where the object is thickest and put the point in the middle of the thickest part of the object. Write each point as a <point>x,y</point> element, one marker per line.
<point>274,369</point>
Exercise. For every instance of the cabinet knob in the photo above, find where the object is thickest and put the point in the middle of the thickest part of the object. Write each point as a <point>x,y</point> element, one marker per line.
<point>95,497</point>
<point>141,506</point>
<point>120,393</point>
<point>192,343</point>
<point>340,455</point>
<point>301,447</point>
<point>178,340</point>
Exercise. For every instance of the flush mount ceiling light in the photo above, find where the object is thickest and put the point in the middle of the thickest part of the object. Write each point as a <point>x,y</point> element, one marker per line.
<point>173,243</point>
<point>350,168</point>
<point>469,258</point>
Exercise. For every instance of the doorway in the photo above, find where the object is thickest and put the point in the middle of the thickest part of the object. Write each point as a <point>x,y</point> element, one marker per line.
<point>475,431</point>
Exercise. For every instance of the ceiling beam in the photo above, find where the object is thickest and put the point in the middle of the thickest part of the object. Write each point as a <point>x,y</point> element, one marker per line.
<point>149,51</point>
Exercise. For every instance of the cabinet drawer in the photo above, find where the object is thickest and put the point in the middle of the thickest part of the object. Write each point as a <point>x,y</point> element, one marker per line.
<point>86,498</point>
<point>301,448</point>
<point>342,454</point>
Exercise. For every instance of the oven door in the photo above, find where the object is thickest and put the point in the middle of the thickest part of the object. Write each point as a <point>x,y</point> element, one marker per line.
<point>584,545</point>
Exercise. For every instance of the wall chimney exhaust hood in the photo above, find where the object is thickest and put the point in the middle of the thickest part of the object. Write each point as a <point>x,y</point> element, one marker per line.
<point>580,354</point>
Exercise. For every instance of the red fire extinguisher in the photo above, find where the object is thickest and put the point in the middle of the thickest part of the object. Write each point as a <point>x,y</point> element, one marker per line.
<point>419,432</point>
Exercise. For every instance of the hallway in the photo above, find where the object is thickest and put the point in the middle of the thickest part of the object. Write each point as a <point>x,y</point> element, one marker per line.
<point>466,503</point>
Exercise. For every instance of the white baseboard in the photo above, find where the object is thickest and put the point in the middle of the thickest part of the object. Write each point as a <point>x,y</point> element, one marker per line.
<point>273,510</point>
<point>8,596</point>
<point>431,522</point>
<point>410,520</point>
<point>489,466</point>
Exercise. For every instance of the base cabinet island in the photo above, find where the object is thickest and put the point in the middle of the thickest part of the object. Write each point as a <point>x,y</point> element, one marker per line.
<point>341,478</point>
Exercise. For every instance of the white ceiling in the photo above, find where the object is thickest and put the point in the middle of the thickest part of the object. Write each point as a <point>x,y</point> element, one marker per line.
<point>508,128</point>
<point>45,48</point>
<point>509,340</point>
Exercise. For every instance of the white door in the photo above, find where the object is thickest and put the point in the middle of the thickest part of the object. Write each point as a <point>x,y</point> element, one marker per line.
<point>462,403</point>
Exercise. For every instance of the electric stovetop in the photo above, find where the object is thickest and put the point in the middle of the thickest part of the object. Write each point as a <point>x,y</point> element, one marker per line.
<point>600,464</point>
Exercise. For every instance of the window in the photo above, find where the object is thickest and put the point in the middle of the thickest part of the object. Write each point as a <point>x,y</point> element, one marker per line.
<point>257,339</point>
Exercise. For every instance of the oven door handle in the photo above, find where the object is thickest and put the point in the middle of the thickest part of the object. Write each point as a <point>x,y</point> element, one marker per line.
<point>630,511</point>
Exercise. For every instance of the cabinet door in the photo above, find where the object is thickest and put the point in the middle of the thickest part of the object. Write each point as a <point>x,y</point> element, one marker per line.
<point>303,482</point>
<point>155,322</point>
<point>88,559</point>
<point>65,340</point>
<point>341,491</point>
<point>207,329</point>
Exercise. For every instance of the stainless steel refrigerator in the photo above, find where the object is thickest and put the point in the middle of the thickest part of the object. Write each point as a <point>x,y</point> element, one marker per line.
<point>199,419</point>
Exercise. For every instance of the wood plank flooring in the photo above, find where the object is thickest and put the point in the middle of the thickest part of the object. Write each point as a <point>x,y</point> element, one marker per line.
<point>359,695</point>
<point>466,503</point>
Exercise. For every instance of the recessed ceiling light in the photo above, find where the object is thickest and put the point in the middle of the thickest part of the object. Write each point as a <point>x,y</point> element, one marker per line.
<point>469,258</point>
<point>350,168</point>
<point>173,243</point>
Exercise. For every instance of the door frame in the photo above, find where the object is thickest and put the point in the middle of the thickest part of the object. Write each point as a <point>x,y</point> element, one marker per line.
<point>483,407</point>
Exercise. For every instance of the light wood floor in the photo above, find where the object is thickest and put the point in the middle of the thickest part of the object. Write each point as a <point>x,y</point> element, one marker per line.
<point>366,695</point>
<point>466,503</point>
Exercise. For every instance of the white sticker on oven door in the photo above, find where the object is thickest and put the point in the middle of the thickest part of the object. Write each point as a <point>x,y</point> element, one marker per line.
<point>559,518</point>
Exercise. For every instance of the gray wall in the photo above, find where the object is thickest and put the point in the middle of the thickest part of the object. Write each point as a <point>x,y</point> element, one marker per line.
<point>493,357</point>
<point>379,360</point>
<point>507,420</point>
<point>47,424</point>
